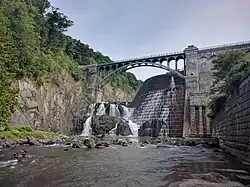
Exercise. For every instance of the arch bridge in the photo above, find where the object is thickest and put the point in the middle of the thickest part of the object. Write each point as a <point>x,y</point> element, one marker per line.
<point>104,72</point>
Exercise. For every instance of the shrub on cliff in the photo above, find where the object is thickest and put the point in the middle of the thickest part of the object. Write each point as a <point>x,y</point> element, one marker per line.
<point>228,72</point>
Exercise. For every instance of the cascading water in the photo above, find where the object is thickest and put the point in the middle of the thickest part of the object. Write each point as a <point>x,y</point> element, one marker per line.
<point>114,111</point>
<point>101,110</point>
<point>127,113</point>
<point>134,128</point>
<point>172,84</point>
<point>87,125</point>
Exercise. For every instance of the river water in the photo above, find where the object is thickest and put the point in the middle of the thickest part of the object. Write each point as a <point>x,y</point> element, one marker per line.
<point>117,166</point>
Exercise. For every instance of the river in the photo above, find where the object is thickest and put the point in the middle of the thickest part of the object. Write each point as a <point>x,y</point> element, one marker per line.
<point>118,166</point>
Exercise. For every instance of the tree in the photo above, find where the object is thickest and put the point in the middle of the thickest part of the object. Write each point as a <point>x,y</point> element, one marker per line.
<point>228,71</point>
<point>8,94</point>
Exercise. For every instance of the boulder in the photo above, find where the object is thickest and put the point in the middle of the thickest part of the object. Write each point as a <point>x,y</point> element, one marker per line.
<point>213,143</point>
<point>78,124</point>
<point>189,143</point>
<point>76,145</point>
<point>122,142</point>
<point>146,142</point>
<point>90,143</point>
<point>32,141</point>
<point>103,124</point>
<point>123,129</point>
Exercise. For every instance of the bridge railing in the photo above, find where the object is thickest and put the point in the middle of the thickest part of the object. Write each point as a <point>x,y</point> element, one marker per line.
<point>224,45</point>
<point>150,56</point>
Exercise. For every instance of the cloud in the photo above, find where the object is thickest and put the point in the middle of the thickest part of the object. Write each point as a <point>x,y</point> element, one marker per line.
<point>123,29</point>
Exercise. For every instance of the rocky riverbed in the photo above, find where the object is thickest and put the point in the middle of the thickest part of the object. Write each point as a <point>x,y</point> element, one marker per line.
<point>121,161</point>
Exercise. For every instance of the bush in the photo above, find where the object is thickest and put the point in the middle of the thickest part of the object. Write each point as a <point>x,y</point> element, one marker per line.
<point>229,70</point>
<point>9,132</point>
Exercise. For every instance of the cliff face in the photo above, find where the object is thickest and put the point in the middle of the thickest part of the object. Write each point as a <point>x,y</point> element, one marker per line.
<point>58,107</point>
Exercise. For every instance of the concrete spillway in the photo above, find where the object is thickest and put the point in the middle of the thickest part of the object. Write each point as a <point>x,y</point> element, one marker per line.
<point>159,106</point>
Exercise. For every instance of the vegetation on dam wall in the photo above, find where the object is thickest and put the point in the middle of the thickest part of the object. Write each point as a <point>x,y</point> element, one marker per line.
<point>228,71</point>
<point>33,45</point>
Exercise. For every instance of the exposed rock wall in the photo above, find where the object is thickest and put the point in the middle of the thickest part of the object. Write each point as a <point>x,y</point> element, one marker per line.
<point>58,107</point>
<point>232,124</point>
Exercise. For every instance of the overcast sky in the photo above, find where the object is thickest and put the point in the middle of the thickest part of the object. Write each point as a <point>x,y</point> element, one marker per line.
<point>130,28</point>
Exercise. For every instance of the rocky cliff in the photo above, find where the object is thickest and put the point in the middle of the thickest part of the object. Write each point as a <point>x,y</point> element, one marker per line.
<point>58,107</point>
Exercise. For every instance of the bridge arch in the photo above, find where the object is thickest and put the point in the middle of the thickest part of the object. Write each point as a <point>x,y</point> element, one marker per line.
<point>137,64</point>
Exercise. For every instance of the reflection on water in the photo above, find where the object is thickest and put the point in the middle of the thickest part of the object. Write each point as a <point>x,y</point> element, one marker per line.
<point>124,166</point>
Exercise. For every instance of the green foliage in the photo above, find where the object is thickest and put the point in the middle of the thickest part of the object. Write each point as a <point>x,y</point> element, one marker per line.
<point>126,81</point>
<point>33,45</point>
<point>8,94</point>
<point>83,54</point>
<point>228,71</point>
<point>9,132</point>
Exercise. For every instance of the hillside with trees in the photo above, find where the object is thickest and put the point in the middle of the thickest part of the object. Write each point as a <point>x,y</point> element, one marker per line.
<point>33,45</point>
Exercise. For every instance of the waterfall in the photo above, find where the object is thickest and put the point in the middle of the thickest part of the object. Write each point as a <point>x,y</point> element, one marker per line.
<point>172,84</point>
<point>101,110</point>
<point>127,113</point>
<point>113,131</point>
<point>113,111</point>
<point>87,127</point>
<point>133,127</point>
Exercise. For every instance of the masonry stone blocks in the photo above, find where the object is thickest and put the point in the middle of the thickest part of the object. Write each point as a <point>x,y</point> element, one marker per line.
<point>197,74</point>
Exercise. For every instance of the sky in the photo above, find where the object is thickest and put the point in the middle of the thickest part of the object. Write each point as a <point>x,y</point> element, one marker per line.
<point>122,29</point>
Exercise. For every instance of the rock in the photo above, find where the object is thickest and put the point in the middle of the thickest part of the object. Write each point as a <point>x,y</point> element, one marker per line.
<point>142,145</point>
<point>78,124</point>
<point>15,155</point>
<point>6,144</point>
<point>216,150</point>
<point>99,145</point>
<point>32,141</point>
<point>109,140</point>
<point>122,142</point>
<point>48,142</point>
<point>213,143</point>
<point>23,151</point>
<point>68,143</point>
<point>76,145</point>
<point>106,144</point>
<point>103,124</point>
<point>22,142</point>
<point>89,143</point>
<point>66,149</point>
<point>1,147</point>
<point>129,142</point>
<point>100,136</point>
<point>146,142</point>
<point>123,129</point>
<point>189,143</point>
